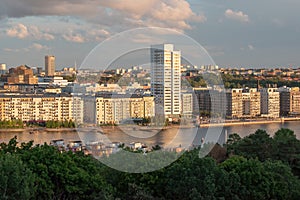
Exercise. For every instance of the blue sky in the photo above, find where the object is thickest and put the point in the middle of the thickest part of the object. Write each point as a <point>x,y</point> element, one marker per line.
<point>235,33</point>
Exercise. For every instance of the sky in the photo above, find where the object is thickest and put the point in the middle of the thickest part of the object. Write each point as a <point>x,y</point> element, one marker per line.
<point>235,33</point>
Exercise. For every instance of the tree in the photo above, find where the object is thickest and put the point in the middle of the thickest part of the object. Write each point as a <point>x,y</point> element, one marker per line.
<point>261,180</point>
<point>16,180</point>
<point>287,149</point>
<point>258,145</point>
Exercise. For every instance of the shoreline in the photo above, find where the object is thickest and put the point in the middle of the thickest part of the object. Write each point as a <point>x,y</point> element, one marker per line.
<point>36,129</point>
<point>254,122</point>
<point>106,128</point>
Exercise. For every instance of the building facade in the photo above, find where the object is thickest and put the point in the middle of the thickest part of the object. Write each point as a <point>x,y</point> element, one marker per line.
<point>234,108</point>
<point>251,102</point>
<point>117,108</point>
<point>41,107</point>
<point>289,101</point>
<point>21,75</point>
<point>166,78</point>
<point>49,65</point>
<point>270,102</point>
<point>187,105</point>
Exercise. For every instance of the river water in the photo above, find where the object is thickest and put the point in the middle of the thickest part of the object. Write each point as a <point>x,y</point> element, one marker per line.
<point>171,137</point>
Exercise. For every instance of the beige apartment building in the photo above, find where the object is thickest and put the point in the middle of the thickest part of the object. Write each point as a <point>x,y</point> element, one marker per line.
<point>115,108</point>
<point>234,103</point>
<point>187,105</point>
<point>41,107</point>
<point>50,65</point>
<point>270,102</point>
<point>251,102</point>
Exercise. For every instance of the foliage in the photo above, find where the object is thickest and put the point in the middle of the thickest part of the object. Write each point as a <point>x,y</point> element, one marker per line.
<point>261,180</point>
<point>14,123</point>
<point>261,167</point>
<point>60,124</point>
<point>284,146</point>
<point>16,180</point>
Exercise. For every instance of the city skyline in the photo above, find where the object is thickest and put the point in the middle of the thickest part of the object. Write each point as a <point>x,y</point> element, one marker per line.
<point>233,33</point>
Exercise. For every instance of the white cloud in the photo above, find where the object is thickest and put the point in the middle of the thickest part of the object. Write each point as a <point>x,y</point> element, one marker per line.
<point>39,47</point>
<point>34,46</point>
<point>11,50</point>
<point>74,37</point>
<point>22,31</point>
<point>39,35</point>
<point>250,47</point>
<point>236,15</point>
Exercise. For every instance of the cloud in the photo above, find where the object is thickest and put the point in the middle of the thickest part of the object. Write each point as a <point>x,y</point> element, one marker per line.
<point>39,47</point>
<point>34,46</point>
<point>110,14</point>
<point>11,50</point>
<point>236,15</point>
<point>22,31</point>
<point>74,37</point>
<point>250,47</point>
<point>39,35</point>
<point>97,34</point>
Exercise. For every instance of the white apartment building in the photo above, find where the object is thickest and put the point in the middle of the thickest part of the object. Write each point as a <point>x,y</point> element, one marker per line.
<point>166,78</point>
<point>270,102</point>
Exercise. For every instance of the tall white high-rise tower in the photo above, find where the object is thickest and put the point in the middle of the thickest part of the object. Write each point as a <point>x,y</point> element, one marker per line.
<point>166,78</point>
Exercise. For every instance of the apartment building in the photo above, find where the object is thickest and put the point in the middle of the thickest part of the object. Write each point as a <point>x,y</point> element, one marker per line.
<point>166,78</point>
<point>45,107</point>
<point>187,105</point>
<point>289,101</point>
<point>202,101</point>
<point>251,102</point>
<point>270,102</point>
<point>209,101</point>
<point>234,107</point>
<point>21,75</point>
<point>115,108</point>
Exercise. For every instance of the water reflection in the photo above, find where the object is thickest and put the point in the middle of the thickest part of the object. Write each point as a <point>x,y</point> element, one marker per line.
<point>170,137</point>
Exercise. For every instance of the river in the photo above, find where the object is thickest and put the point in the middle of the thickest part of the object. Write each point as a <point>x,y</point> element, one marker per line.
<point>171,137</point>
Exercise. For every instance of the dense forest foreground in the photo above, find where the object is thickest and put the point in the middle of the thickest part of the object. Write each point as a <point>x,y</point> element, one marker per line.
<point>255,167</point>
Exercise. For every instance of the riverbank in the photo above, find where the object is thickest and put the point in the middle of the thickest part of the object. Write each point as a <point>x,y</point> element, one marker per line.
<point>107,129</point>
<point>254,122</point>
<point>37,129</point>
